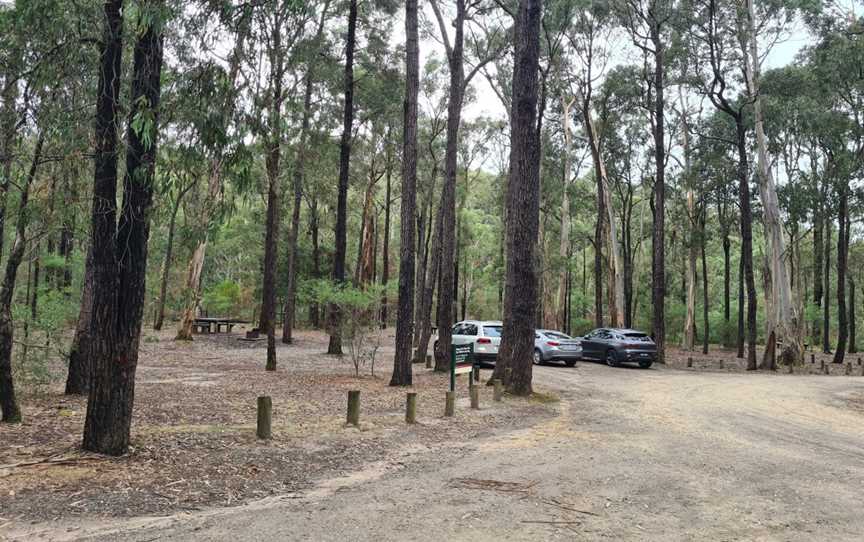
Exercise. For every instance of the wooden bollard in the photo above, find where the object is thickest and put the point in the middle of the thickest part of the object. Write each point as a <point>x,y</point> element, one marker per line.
<point>474,392</point>
<point>450,404</point>
<point>475,372</point>
<point>354,407</point>
<point>849,369</point>
<point>498,390</point>
<point>826,369</point>
<point>790,369</point>
<point>689,362</point>
<point>265,417</point>
<point>411,407</point>
<point>859,362</point>
<point>721,363</point>
<point>813,358</point>
<point>428,361</point>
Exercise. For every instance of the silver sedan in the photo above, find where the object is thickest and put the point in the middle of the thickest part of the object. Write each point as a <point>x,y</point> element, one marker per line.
<point>550,345</point>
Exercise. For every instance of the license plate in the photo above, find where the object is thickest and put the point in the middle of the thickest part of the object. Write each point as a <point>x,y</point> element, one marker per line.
<point>569,347</point>
<point>644,355</point>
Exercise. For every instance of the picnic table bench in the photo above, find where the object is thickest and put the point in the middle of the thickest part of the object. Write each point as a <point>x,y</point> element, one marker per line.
<point>207,325</point>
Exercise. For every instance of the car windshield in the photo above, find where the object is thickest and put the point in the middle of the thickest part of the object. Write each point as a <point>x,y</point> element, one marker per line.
<point>639,337</point>
<point>492,331</point>
<point>556,335</point>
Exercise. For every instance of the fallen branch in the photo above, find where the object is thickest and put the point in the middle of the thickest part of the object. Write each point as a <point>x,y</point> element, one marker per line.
<point>49,461</point>
<point>552,522</point>
<point>558,504</point>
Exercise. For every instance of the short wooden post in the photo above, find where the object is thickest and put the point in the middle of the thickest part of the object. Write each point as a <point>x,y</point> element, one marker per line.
<point>498,390</point>
<point>826,369</point>
<point>689,362</point>
<point>790,369</point>
<point>475,372</point>
<point>813,358</point>
<point>354,407</point>
<point>508,371</point>
<point>428,361</point>
<point>411,407</point>
<point>859,361</point>
<point>265,417</point>
<point>849,369</point>
<point>474,392</point>
<point>450,403</point>
<point>721,363</point>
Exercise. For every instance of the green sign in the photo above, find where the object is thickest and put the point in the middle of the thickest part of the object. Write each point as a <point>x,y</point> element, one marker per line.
<point>461,361</point>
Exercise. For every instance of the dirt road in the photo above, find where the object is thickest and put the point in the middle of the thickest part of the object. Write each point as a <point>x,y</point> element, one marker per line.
<point>632,455</point>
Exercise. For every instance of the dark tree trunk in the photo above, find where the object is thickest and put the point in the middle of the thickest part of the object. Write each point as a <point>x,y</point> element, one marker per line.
<point>842,256</point>
<point>166,265</point>
<point>706,335</point>
<point>314,308</point>
<point>385,251</point>
<point>523,206</point>
<point>424,325</point>
<point>120,253</point>
<point>747,240</point>
<point>853,346</point>
<point>405,310</point>
<point>273,149</point>
<point>341,233</point>
<point>740,334</point>
<point>103,211</point>
<point>658,268</point>
<point>446,290</point>
<point>818,249</point>
<point>598,261</point>
<point>8,130</point>
<point>727,314</point>
<point>290,308</point>
<point>11,413</point>
<point>826,302</point>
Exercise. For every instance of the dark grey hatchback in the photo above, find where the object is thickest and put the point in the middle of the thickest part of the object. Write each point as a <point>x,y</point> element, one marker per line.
<point>615,346</point>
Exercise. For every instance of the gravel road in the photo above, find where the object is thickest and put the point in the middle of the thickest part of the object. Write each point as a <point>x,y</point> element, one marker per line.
<point>632,455</point>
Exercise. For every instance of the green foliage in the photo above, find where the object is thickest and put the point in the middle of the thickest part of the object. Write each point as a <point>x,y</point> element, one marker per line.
<point>223,298</point>
<point>41,341</point>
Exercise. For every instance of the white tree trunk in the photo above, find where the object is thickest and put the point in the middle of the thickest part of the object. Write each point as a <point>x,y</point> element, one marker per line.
<point>564,247</point>
<point>787,328</point>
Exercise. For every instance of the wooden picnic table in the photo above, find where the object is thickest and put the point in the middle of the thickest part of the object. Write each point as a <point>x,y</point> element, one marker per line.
<point>206,325</point>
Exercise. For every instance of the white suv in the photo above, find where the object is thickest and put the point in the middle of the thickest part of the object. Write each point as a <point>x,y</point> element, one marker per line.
<point>485,335</point>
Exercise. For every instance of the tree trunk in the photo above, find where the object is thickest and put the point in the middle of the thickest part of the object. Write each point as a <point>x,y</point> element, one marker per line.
<point>853,346</point>
<point>658,267</point>
<point>314,308</point>
<point>216,165</point>
<point>826,278</point>
<point>120,251</point>
<point>842,257</point>
<point>335,345</point>
<point>523,206</point>
<point>166,264</point>
<point>8,131</point>
<point>690,276</point>
<point>706,334</point>
<point>385,252</point>
<point>273,150</point>
<point>727,247</point>
<point>787,324</point>
<point>739,339</point>
<point>564,244</point>
<point>405,323</point>
<point>747,240</point>
<point>290,308</point>
<point>424,325</point>
<point>11,413</point>
<point>78,376</point>
<point>446,290</point>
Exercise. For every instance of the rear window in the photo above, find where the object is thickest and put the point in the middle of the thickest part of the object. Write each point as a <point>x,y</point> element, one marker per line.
<point>638,337</point>
<point>492,331</point>
<point>553,335</point>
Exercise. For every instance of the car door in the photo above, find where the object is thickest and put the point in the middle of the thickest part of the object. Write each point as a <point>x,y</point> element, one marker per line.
<point>458,334</point>
<point>589,345</point>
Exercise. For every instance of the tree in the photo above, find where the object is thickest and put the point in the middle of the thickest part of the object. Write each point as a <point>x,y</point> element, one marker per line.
<point>405,325</point>
<point>335,346</point>
<point>523,204</point>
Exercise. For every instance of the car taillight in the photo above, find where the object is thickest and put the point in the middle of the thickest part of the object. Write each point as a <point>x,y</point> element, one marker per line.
<point>553,343</point>
<point>484,340</point>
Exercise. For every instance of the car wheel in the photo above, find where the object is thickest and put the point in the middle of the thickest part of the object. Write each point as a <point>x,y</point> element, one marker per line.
<point>611,360</point>
<point>646,364</point>
<point>538,358</point>
<point>571,363</point>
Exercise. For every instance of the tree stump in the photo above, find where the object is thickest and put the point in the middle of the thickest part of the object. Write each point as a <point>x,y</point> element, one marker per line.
<point>265,417</point>
<point>354,407</point>
<point>411,407</point>
<point>450,404</point>
<point>474,392</point>
<point>498,390</point>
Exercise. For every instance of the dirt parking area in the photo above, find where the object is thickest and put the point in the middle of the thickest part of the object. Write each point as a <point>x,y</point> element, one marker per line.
<point>629,454</point>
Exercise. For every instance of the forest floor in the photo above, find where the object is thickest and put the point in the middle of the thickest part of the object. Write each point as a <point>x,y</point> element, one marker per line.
<point>624,454</point>
<point>193,433</point>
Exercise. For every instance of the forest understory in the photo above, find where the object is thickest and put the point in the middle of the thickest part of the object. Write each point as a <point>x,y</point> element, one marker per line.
<point>194,444</point>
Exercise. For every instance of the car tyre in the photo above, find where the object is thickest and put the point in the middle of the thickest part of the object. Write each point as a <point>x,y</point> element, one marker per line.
<point>571,363</point>
<point>646,364</point>
<point>611,360</point>
<point>538,357</point>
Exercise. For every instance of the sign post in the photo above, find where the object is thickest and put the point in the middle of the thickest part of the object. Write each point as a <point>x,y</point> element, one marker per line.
<point>461,362</point>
